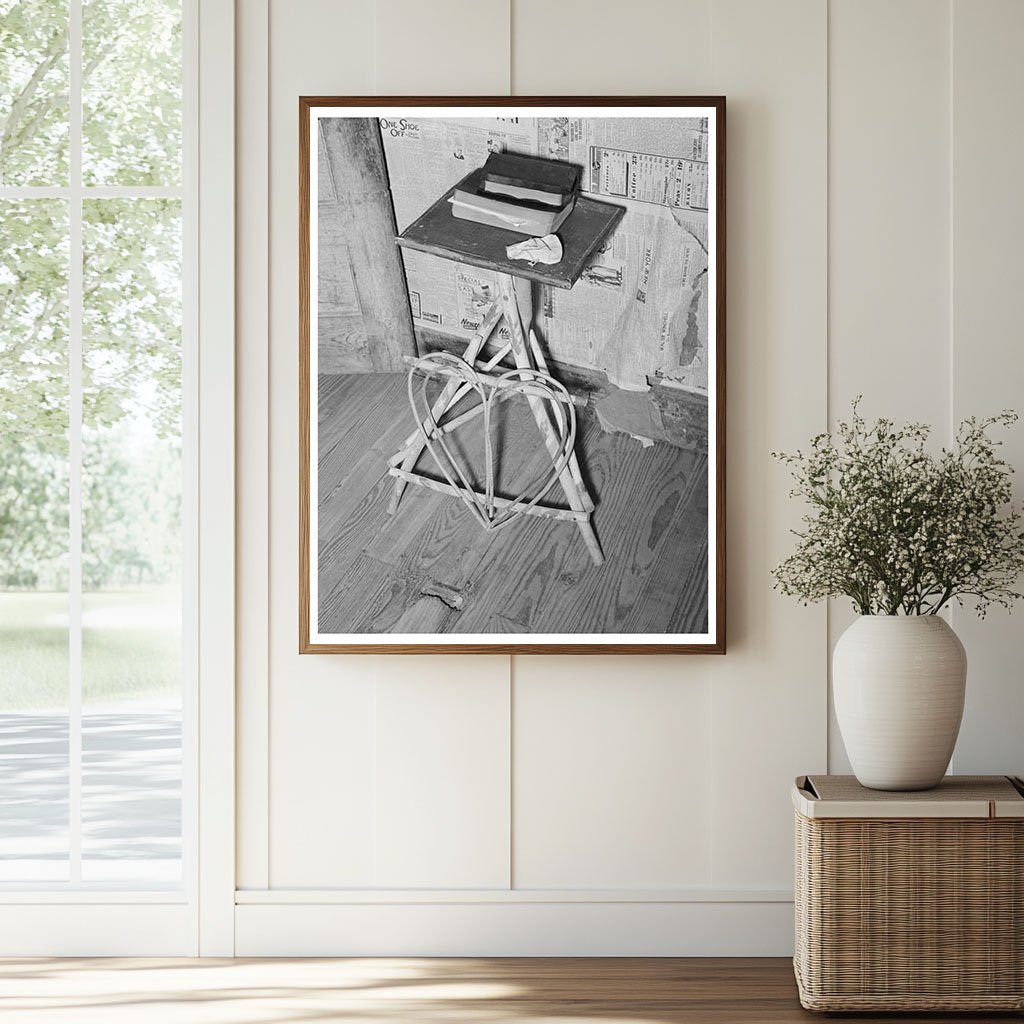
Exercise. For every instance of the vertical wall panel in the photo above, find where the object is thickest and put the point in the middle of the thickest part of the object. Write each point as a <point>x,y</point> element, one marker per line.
<point>322,758</point>
<point>321,708</point>
<point>442,48</point>
<point>769,692</point>
<point>442,775</point>
<point>889,248</point>
<point>576,47</point>
<point>889,208</point>
<point>612,774</point>
<point>987,364</point>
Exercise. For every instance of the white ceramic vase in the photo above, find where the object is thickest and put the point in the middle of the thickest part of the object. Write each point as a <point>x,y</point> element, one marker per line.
<point>898,684</point>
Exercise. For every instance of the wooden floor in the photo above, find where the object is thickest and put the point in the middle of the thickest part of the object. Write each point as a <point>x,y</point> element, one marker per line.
<point>430,567</point>
<point>414,991</point>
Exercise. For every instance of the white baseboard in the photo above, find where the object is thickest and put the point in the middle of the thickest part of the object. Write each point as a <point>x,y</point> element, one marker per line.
<point>514,928</point>
<point>96,929</point>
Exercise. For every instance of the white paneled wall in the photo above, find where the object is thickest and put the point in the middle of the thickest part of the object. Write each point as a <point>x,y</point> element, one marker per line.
<point>768,693</point>
<point>986,369</point>
<point>576,47</point>
<point>889,80</point>
<point>626,805</point>
<point>889,280</point>
<point>442,47</point>
<point>612,775</point>
<point>441,770</point>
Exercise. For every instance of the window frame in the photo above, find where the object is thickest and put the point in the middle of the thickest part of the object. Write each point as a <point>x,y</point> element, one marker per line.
<point>75,918</point>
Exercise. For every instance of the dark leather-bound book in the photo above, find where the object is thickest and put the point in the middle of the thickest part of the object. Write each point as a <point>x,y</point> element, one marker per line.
<point>530,178</point>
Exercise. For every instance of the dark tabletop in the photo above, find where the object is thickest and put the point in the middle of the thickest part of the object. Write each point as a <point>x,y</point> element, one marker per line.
<point>439,232</point>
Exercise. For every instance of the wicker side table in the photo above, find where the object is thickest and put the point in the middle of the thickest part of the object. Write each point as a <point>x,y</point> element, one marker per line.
<point>910,901</point>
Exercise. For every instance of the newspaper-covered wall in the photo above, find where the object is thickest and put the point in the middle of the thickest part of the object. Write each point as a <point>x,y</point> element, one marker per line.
<point>640,310</point>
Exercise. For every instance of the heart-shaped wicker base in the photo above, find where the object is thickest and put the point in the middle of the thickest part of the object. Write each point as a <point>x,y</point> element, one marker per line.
<point>490,510</point>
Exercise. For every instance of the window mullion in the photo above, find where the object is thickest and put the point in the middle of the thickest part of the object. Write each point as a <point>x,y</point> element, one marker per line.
<point>75,302</point>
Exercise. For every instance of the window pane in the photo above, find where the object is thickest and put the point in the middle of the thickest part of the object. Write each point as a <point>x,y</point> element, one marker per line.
<point>33,92</point>
<point>33,540</point>
<point>131,92</point>
<point>131,541</point>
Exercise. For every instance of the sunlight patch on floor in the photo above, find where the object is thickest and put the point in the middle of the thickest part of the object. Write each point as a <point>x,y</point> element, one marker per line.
<point>188,991</point>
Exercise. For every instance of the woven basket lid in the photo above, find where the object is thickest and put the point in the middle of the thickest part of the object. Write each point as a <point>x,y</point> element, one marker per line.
<point>957,796</point>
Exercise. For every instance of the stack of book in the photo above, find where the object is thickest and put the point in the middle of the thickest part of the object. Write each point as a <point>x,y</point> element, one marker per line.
<point>525,194</point>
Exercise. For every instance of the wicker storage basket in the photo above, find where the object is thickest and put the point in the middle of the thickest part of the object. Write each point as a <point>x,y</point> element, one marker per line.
<point>910,901</point>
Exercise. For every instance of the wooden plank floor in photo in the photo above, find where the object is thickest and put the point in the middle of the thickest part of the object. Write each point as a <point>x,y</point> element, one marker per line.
<point>431,568</point>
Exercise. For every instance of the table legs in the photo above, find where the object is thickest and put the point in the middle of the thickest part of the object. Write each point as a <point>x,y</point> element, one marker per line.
<point>515,306</point>
<point>516,295</point>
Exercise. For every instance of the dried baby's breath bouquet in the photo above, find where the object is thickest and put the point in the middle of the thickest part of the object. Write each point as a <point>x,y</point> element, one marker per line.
<point>898,529</point>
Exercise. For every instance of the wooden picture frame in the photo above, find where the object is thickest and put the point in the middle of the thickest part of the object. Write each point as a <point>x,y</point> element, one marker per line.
<point>662,187</point>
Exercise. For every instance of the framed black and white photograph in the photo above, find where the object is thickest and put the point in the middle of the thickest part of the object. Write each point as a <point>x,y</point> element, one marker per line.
<point>512,404</point>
